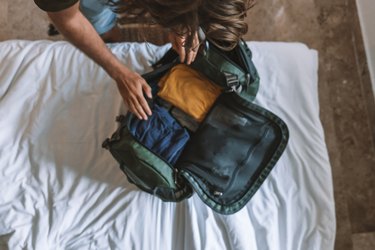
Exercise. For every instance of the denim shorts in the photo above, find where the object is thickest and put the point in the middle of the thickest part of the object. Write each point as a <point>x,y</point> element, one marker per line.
<point>100,15</point>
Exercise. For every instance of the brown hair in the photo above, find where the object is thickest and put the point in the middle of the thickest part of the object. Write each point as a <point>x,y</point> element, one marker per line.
<point>222,20</point>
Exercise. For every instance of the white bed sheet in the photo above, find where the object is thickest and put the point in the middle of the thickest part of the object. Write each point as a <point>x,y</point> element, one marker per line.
<point>60,190</point>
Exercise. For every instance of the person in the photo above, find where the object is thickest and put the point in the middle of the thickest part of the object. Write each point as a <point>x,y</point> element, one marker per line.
<point>89,24</point>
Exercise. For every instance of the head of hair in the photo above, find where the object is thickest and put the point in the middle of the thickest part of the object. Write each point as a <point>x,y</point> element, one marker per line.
<point>223,21</point>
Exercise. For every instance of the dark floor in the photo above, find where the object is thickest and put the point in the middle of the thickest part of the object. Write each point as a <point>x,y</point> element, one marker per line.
<point>346,98</point>
<point>346,101</point>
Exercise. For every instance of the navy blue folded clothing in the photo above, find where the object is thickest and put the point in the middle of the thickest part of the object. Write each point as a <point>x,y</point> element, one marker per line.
<point>161,133</point>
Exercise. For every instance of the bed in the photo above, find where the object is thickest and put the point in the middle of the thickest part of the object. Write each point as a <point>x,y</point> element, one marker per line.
<point>59,189</point>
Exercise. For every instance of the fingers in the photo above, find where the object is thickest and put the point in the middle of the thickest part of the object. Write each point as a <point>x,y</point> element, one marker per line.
<point>142,101</point>
<point>193,51</point>
<point>191,56</point>
<point>147,89</point>
<point>137,110</point>
<point>131,89</point>
<point>178,44</point>
<point>139,104</point>
<point>132,86</point>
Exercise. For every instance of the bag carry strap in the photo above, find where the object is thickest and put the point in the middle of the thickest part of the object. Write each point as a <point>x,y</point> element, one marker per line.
<point>251,89</point>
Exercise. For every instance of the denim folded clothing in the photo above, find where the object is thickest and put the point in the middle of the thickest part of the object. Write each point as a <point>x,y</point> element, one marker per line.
<point>161,133</point>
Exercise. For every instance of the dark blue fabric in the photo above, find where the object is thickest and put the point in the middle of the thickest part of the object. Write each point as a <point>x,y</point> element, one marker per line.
<point>161,133</point>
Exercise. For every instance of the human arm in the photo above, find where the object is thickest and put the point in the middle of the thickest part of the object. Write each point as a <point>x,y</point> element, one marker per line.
<point>79,31</point>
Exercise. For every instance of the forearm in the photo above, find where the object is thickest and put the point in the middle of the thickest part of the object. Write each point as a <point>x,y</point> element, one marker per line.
<point>79,31</point>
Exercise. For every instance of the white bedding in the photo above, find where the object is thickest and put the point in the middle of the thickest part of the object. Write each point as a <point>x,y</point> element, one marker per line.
<point>60,190</point>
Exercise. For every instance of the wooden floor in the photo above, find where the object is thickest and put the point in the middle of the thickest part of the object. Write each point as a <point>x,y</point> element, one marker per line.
<point>346,98</point>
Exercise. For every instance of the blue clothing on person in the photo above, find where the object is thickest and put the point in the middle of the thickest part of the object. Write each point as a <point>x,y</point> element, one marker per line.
<point>99,13</point>
<point>161,133</point>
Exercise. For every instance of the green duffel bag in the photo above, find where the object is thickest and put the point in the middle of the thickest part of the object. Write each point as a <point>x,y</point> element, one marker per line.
<point>231,152</point>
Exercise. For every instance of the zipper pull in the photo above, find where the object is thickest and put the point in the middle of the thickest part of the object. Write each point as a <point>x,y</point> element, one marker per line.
<point>175,176</point>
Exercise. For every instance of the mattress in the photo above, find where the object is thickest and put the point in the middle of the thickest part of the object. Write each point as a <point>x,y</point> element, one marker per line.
<point>59,189</point>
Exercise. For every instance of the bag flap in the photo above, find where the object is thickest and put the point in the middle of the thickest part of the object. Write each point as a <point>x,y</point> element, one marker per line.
<point>232,152</point>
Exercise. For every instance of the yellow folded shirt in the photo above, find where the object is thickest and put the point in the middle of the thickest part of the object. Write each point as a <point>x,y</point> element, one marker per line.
<point>189,91</point>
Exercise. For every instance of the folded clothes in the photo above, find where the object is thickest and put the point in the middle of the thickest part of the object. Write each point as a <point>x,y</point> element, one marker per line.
<point>181,117</point>
<point>161,133</point>
<point>189,91</point>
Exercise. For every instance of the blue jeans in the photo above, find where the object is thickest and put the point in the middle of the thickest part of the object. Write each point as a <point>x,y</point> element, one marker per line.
<point>99,14</point>
<point>161,133</point>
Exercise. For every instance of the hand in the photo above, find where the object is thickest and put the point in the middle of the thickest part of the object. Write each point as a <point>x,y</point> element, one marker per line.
<point>77,29</point>
<point>131,86</point>
<point>178,44</point>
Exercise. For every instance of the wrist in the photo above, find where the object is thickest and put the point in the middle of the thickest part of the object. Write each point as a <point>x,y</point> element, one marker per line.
<point>116,70</point>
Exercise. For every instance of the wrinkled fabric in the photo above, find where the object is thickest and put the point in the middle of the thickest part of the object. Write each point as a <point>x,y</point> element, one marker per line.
<point>161,133</point>
<point>189,91</point>
<point>59,189</point>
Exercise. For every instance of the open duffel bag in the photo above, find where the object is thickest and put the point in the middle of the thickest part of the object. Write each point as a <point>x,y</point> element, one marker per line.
<point>227,155</point>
